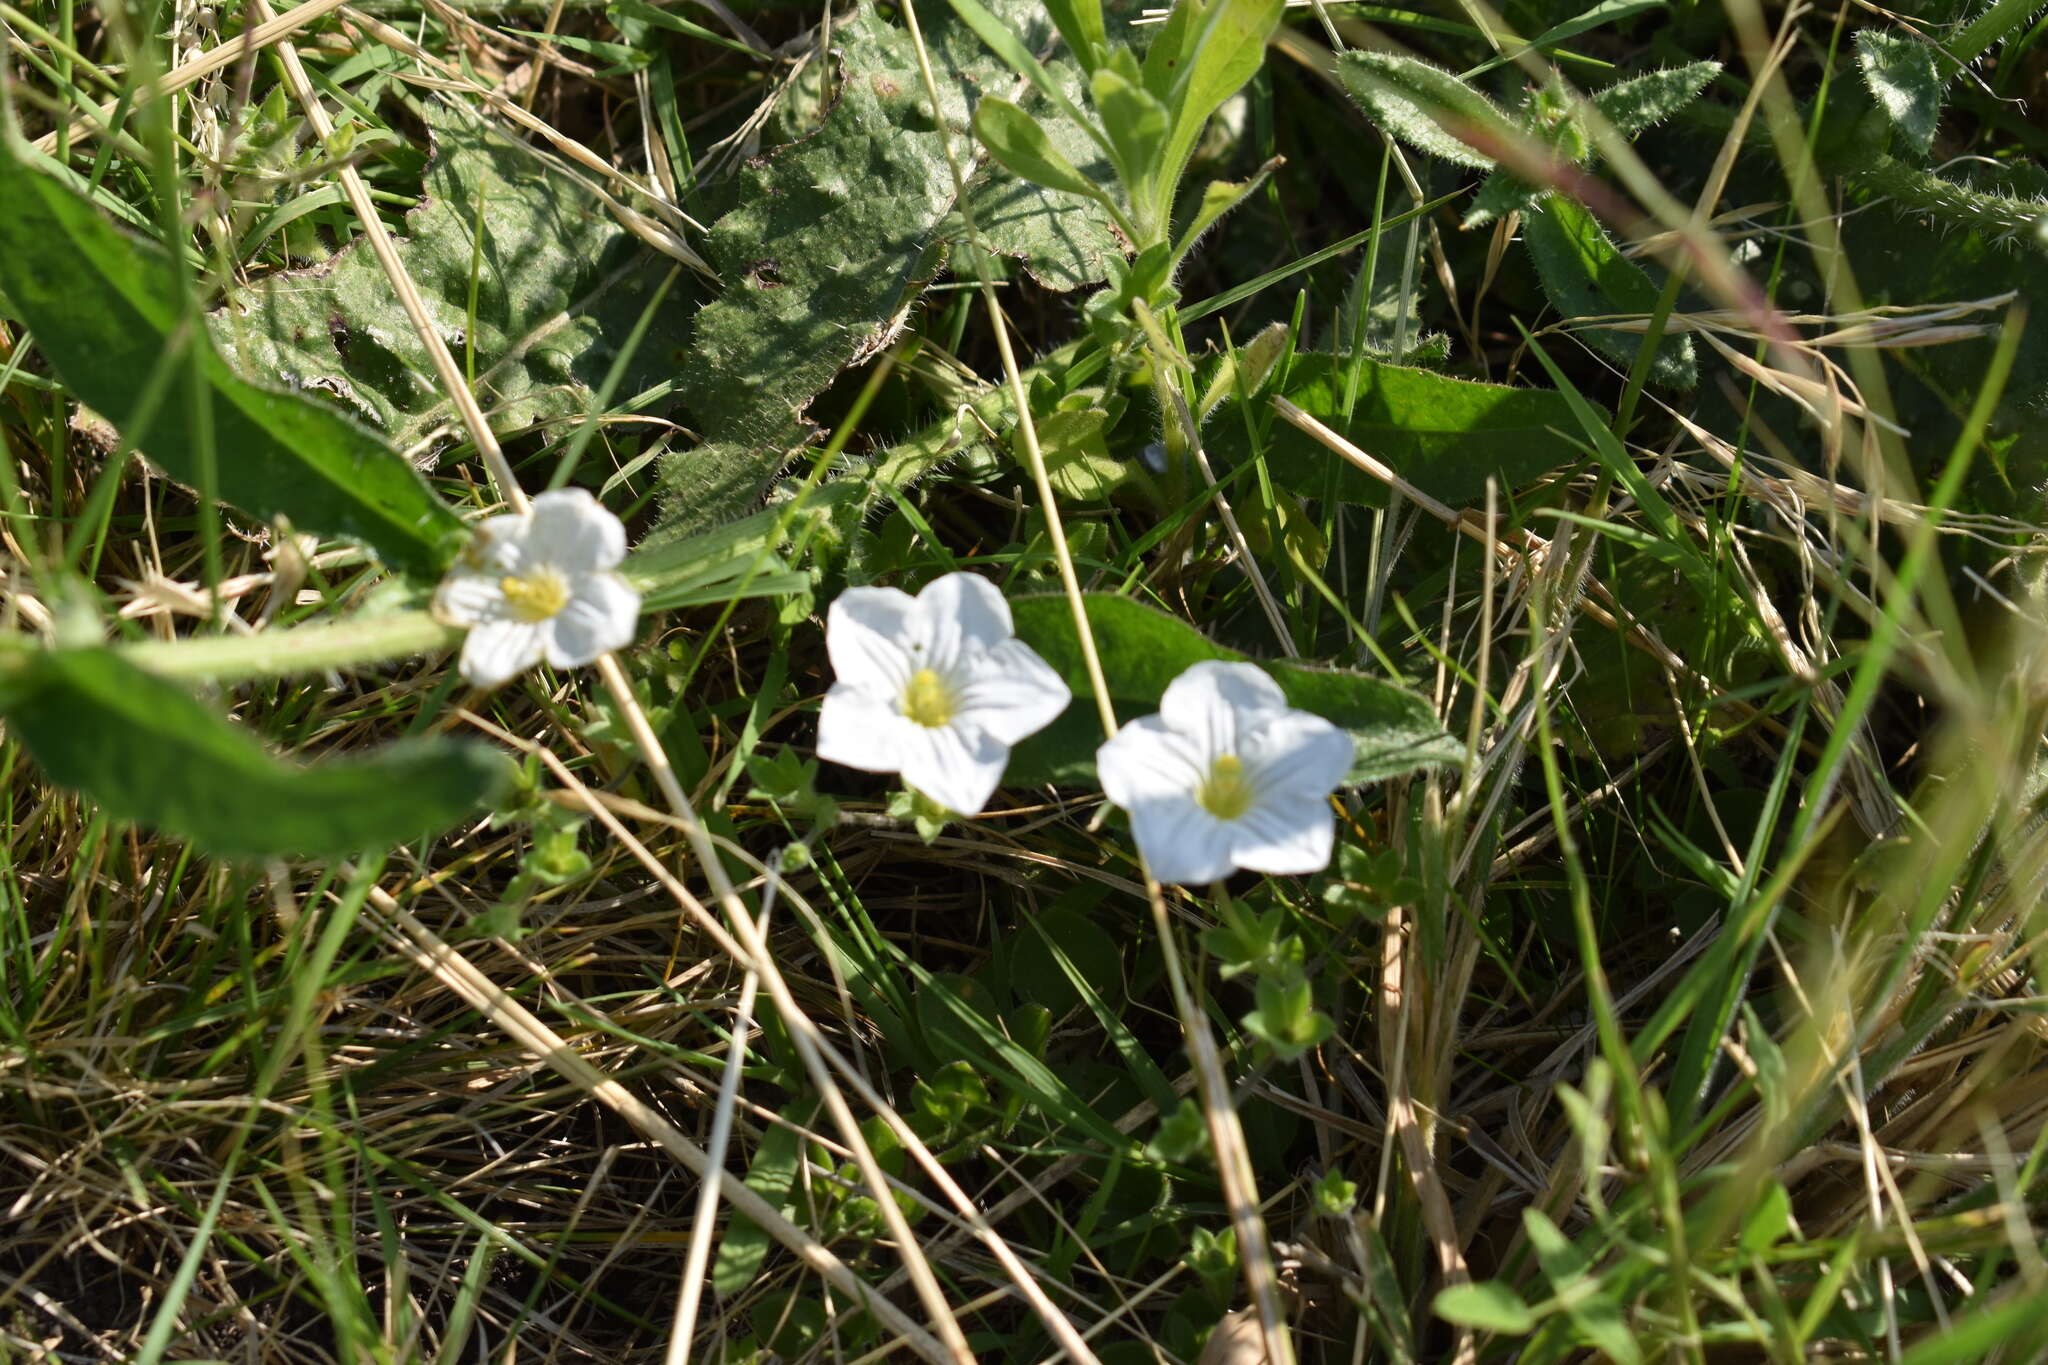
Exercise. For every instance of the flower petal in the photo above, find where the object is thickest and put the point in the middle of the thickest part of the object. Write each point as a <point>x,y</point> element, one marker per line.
<point>1297,753</point>
<point>1011,693</point>
<point>602,614</point>
<point>1146,761</point>
<point>958,766</point>
<point>1212,702</point>
<point>970,605</point>
<point>1182,843</point>
<point>865,634</point>
<point>861,730</point>
<point>572,531</point>
<point>470,599</point>
<point>1287,837</point>
<point>496,651</point>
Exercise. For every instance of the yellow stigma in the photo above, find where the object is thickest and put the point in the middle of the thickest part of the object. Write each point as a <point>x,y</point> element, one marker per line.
<point>1226,793</point>
<point>536,596</point>
<point>927,700</point>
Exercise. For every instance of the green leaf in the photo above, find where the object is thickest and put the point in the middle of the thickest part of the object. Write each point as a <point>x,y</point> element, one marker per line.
<point>1142,650</point>
<point>1227,47</point>
<point>830,242</point>
<point>1443,435</point>
<point>1487,1305</point>
<point>1016,141</point>
<point>557,284</point>
<point>1135,120</point>
<point>1425,106</point>
<point>1586,275</point>
<point>1633,105</point>
<point>1077,459</point>
<point>1905,81</point>
<point>1080,25</point>
<point>104,307</point>
<point>772,1175</point>
<point>1500,194</point>
<point>146,751</point>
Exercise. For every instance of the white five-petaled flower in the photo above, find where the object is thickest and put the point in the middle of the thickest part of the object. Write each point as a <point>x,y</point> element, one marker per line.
<point>540,585</point>
<point>936,687</point>
<point>1227,776</point>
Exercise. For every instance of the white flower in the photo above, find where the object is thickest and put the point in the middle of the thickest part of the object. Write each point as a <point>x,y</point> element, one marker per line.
<point>539,585</point>
<point>1227,776</point>
<point>935,687</point>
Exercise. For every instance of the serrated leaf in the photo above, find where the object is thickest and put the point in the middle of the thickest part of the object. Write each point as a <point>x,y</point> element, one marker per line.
<point>146,751</point>
<point>1586,275</point>
<point>558,288</point>
<point>1647,100</point>
<point>1143,649</point>
<point>104,306</point>
<point>1425,106</point>
<point>1904,79</point>
<point>1444,435</point>
<point>1487,1305</point>
<point>831,241</point>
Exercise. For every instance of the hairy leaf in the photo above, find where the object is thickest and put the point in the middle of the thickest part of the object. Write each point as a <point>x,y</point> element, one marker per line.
<point>1633,105</point>
<point>1444,435</point>
<point>557,285</point>
<point>833,238</point>
<point>1143,649</point>
<point>1425,106</point>
<point>1905,81</point>
<point>145,750</point>
<point>1586,275</point>
<point>105,306</point>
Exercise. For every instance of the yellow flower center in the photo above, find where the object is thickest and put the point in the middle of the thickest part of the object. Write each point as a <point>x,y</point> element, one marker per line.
<point>535,596</point>
<point>1226,793</point>
<point>927,700</point>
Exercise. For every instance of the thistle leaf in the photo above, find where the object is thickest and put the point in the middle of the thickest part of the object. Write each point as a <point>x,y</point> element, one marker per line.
<point>1633,105</point>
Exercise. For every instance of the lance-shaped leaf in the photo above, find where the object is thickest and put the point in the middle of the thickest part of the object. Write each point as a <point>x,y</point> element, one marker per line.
<point>1586,275</point>
<point>106,311</point>
<point>1426,106</point>
<point>1905,81</point>
<point>1633,105</point>
<point>1015,140</point>
<point>1444,435</point>
<point>530,281</point>
<point>1143,649</point>
<point>147,751</point>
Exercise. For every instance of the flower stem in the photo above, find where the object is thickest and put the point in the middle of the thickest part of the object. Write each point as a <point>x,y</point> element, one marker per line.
<point>306,649</point>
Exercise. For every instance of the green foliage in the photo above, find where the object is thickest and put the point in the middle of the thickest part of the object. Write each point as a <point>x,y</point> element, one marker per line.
<point>106,307</point>
<point>1426,107</point>
<point>145,750</point>
<point>1905,81</point>
<point>531,282</point>
<point>1446,436</point>
<point>1586,275</point>
<point>1143,649</point>
<point>1647,100</point>
<point>1487,1305</point>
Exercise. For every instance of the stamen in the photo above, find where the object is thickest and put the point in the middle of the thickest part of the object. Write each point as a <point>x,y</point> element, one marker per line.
<point>535,596</point>
<point>1226,793</point>
<point>927,700</point>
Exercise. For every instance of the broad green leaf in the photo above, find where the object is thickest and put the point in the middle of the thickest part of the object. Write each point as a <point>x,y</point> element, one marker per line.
<point>1426,106</point>
<point>1633,105</point>
<point>1038,975</point>
<point>1905,81</point>
<point>145,750</point>
<point>558,286</point>
<point>1586,275</point>
<point>1444,435</point>
<point>1016,141</point>
<point>830,242</point>
<point>104,307</point>
<point>1487,1305</point>
<point>1143,649</point>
